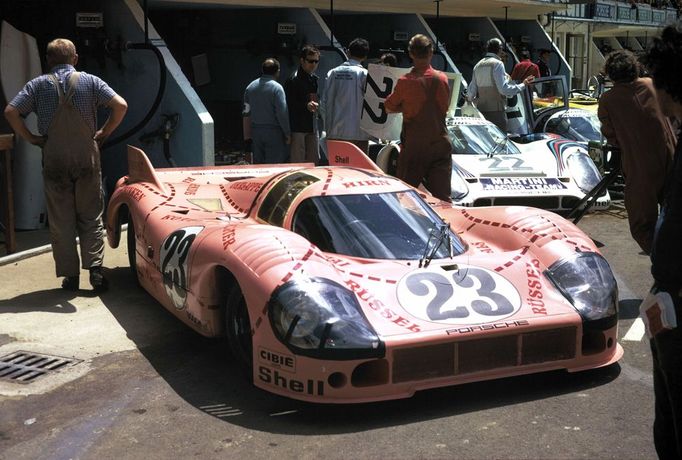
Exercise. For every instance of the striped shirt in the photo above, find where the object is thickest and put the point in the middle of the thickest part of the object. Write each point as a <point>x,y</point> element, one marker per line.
<point>40,96</point>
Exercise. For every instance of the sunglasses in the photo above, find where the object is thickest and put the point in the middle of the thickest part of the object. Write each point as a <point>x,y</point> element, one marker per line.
<point>312,61</point>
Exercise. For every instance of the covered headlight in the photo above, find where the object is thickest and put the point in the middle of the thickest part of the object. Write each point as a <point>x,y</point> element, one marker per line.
<point>320,318</point>
<point>458,186</point>
<point>583,171</point>
<point>586,280</point>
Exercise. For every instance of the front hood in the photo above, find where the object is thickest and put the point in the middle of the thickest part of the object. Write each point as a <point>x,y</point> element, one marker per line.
<point>505,291</point>
<point>477,166</point>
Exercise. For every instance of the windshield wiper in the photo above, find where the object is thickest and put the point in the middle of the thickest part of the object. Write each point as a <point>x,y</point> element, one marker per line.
<point>441,233</point>
<point>498,145</point>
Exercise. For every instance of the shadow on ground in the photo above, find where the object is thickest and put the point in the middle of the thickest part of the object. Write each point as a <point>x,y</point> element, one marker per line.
<point>50,300</point>
<point>202,372</point>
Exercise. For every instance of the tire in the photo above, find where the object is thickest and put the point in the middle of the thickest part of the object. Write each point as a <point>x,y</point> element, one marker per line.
<point>238,327</point>
<point>132,251</point>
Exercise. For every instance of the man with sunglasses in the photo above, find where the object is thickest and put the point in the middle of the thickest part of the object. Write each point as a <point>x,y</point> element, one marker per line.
<point>302,101</point>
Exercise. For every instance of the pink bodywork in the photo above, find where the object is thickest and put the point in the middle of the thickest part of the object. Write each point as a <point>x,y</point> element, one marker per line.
<point>217,207</point>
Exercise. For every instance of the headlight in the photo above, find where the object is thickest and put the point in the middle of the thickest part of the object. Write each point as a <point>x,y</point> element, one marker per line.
<point>458,186</point>
<point>586,280</point>
<point>583,170</point>
<point>320,318</point>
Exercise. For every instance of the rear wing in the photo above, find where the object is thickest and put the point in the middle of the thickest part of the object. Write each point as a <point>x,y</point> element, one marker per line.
<point>141,170</point>
<point>343,153</point>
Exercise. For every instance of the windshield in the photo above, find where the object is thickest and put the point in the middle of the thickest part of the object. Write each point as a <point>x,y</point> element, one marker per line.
<point>583,128</point>
<point>481,139</point>
<point>394,225</point>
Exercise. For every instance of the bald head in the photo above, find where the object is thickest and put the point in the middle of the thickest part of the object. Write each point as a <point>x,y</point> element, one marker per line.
<point>270,66</point>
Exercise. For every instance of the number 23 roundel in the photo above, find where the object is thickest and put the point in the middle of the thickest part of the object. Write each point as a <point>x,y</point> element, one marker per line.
<point>174,263</point>
<point>469,295</point>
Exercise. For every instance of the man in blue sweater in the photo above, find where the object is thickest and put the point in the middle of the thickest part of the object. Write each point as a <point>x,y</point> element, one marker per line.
<point>266,119</point>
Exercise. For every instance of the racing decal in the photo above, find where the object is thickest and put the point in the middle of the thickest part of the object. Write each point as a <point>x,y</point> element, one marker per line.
<point>461,171</point>
<point>367,183</point>
<point>469,295</point>
<point>228,237</point>
<point>558,148</point>
<point>278,360</point>
<point>192,189</point>
<point>246,186</point>
<point>174,266</point>
<point>273,377</point>
<point>502,163</point>
<point>177,218</point>
<point>134,193</point>
<point>534,282</point>
<point>379,307</point>
<point>487,327</point>
<point>521,183</point>
<point>482,246</point>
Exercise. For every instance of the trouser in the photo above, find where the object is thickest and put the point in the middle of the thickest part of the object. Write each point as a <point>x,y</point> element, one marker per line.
<point>74,207</point>
<point>304,148</point>
<point>641,203</point>
<point>427,162</point>
<point>269,145</point>
<point>666,351</point>
<point>498,117</point>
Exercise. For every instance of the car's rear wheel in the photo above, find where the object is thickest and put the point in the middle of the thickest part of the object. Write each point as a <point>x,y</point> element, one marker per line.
<point>132,252</point>
<point>238,326</point>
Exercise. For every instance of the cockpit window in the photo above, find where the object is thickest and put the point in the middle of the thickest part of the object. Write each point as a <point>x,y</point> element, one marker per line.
<point>279,198</point>
<point>480,140</point>
<point>583,129</point>
<point>397,225</point>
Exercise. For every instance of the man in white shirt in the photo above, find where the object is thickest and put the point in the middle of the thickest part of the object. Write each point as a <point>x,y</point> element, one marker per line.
<point>490,85</point>
<point>344,92</point>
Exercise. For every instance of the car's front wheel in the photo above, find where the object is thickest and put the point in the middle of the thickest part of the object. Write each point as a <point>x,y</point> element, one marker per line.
<point>238,326</point>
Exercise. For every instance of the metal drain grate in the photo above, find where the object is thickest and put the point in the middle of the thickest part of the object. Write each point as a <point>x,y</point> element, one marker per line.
<point>26,367</point>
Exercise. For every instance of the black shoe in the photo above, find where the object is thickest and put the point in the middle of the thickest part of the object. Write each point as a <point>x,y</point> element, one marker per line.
<point>97,280</point>
<point>70,283</point>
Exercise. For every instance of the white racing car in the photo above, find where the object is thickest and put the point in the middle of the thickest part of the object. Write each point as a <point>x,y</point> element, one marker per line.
<point>540,170</point>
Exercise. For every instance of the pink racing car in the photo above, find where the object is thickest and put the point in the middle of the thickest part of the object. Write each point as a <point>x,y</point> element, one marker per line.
<point>344,285</point>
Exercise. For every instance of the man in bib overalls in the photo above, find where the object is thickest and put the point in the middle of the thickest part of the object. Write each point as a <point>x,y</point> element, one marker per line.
<point>65,102</point>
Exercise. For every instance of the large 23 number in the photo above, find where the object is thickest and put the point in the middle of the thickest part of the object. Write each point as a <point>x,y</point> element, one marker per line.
<point>488,303</point>
<point>174,251</point>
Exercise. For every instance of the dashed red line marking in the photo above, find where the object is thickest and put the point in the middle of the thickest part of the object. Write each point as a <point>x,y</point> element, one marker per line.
<point>368,277</point>
<point>330,174</point>
<point>515,259</point>
<point>230,201</point>
<point>532,238</point>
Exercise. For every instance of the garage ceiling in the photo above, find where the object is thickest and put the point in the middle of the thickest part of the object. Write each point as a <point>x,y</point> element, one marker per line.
<point>516,9</point>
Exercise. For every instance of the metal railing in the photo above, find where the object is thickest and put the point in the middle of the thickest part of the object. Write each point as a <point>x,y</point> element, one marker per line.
<point>620,12</point>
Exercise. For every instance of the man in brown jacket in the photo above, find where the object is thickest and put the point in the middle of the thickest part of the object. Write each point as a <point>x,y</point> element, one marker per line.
<point>632,120</point>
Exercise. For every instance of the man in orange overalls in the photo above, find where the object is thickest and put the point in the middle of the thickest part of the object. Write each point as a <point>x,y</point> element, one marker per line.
<point>423,96</point>
<point>65,102</point>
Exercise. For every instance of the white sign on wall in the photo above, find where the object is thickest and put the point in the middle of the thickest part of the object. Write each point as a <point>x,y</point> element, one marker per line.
<point>381,81</point>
